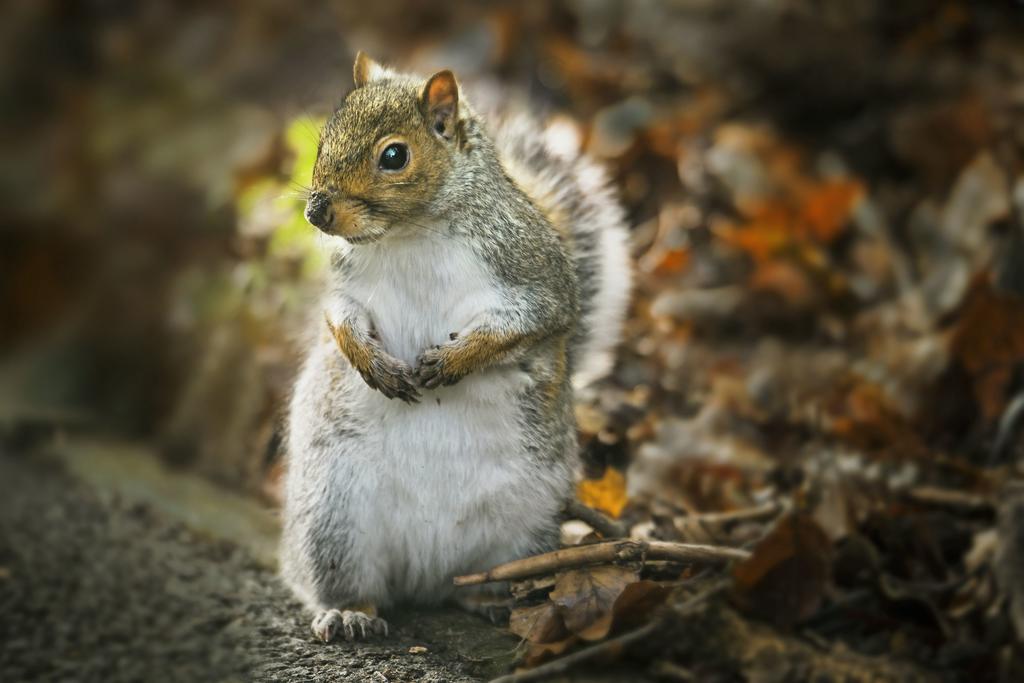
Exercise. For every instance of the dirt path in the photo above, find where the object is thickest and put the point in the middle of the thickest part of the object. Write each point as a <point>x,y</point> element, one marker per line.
<point>95,586</point>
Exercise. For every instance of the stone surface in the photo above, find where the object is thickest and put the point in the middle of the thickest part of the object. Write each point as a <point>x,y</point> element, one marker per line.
<point>97,584</point>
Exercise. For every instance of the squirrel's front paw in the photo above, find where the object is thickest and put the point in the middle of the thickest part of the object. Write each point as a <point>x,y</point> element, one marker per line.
<point>379,370</point>
<point>433,368</point>
<point>391,377</point>
<point>352,625</point>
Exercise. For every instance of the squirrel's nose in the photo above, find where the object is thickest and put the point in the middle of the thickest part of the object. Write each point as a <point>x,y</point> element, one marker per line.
<point>318,210</point>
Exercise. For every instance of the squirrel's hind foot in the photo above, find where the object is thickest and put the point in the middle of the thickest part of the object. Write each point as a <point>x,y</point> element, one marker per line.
<point>495,609</point>
<point>350,624</point>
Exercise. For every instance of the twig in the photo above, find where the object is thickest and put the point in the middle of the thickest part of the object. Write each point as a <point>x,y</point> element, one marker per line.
<point>607,551</point>
<point>693,552</point>
<point>931,495</point>
<point>709,526</point>
<point>1010,424</point>
<point>766,511</point>
<point>669,670</point>
<point>601,523</point>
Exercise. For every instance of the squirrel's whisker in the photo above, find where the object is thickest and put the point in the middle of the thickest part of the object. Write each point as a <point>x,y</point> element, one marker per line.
<point>306,121</point>
<point>421,226</point>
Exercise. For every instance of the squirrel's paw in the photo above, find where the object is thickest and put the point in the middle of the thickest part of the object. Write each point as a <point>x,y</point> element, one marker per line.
<point>393,378</point>
<point>432,370</point>
<point>350,624</point>
<point>494,609</point>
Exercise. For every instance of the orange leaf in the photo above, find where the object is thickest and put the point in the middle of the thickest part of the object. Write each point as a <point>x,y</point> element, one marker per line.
<point>809,213</point>
<point>607,494</point>
<point>672,262</point>
<point>762,237</point>
<point>827,207</point>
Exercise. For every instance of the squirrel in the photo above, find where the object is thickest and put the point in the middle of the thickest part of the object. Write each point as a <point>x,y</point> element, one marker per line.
<point>477,277</point>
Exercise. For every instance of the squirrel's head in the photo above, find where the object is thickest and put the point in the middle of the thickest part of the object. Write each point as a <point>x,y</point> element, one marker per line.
<point>385,152</point>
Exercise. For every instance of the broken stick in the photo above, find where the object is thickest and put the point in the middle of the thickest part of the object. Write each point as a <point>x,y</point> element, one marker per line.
<point>607,551</point>
<point>932,495</point>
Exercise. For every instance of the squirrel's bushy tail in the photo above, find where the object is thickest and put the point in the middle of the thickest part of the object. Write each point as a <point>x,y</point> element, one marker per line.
<point>575,194</point>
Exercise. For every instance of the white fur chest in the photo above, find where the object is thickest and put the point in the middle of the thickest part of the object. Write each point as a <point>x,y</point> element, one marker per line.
<point>419,289</point>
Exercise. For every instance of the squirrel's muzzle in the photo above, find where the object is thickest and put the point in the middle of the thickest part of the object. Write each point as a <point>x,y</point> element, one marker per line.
<point>318,210</point>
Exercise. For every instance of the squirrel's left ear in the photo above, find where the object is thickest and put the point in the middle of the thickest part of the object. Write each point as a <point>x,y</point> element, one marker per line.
<point>440,103</point>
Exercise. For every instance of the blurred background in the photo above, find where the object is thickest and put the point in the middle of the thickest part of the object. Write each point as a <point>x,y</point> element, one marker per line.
<point>827,211</point>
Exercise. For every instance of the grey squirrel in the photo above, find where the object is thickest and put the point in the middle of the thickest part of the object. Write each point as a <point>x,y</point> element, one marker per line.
<point>477,277</point>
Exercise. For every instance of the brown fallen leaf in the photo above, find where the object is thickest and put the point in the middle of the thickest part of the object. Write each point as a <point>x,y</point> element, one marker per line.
<point>544,629</point>
<point>585,598</point>
<point>636,602</point>
<point>860,412</point>
<point>786,280</point>
<point>785,579</point>
<point>541,623</point>
<point>988,342</point>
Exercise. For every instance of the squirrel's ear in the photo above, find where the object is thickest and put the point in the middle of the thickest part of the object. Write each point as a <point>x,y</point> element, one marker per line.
<point>366,70</point>
<point>440,103</point>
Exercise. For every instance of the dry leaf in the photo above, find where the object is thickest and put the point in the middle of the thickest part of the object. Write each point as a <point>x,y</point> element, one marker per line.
<point>672,262</point>
<point>826,208</point>
<point>538,624</point>
<point>786,280</point>
<point>785,579</point>
<point>607,494</point>
<point>585,598</point>
<point>861,412</point>
<point>589,419</point>
<point>988,341</point>
<point>802,215</point>
<point>636,602</point>
<point>542,627</point>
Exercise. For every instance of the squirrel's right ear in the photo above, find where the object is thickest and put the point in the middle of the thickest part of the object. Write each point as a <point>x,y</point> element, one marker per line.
<point>366,70</point>
<point>440,103</point>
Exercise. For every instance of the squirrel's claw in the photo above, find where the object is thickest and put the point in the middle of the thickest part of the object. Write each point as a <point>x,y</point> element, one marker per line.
<point>393,378</point>
<point>430,369</point>
<point>351,624</point>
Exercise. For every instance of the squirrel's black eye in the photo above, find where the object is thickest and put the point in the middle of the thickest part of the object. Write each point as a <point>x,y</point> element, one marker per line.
<point>394,157</point>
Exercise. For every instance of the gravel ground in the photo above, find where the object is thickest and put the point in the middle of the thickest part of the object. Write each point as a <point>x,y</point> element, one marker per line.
<point>95,588</point>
